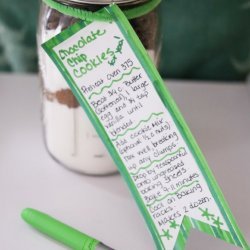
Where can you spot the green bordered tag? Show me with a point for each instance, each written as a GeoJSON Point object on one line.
{"type": "Point", "coordinates": [116, 83]}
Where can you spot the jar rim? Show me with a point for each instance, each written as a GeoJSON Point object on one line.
{"type": "Point", "coordinates": [102, 2]}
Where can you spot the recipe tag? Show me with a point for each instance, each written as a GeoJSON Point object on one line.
{"type": "Point", "coordinates": [118, 86]}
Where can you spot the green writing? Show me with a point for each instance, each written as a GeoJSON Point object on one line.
{"type": "Point", "coordinates": [87, 64]}
{"type": "Point", "coordinates": [82, 42]}
{"type": "Point", "coordinates": [81, 63]}
{"type": "Point", "coordinates": [118, 50]}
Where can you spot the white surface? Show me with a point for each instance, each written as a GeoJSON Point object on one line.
{"type": "Point", "coordinates": [218, 115]}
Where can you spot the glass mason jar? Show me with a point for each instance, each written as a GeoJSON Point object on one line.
{"type": "Point", "coordinates": [69, 136]}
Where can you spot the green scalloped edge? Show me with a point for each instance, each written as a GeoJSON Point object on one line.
{"type": "Point", "coordinates": [234, 236]}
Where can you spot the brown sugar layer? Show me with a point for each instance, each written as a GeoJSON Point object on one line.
{"type": "Point", "coordinates": [145, 27]}
{"type": "Point", "coordinates": [62, 96]}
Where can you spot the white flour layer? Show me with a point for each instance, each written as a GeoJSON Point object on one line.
{"type": "Point", "coordinates": [72, 140]}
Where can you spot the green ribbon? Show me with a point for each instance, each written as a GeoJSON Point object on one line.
{"type": "Point", "coordinates": [98, 16]}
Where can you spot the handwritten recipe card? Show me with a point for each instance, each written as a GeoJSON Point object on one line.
{"type": "Point", "coordinates": [116, 83]}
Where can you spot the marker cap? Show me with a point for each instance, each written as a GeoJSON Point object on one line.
{"type": "Point", "coordinates": [58, 230]}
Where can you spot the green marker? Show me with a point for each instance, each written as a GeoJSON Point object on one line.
{"type": "Point", "coordinates": [61, 232]}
